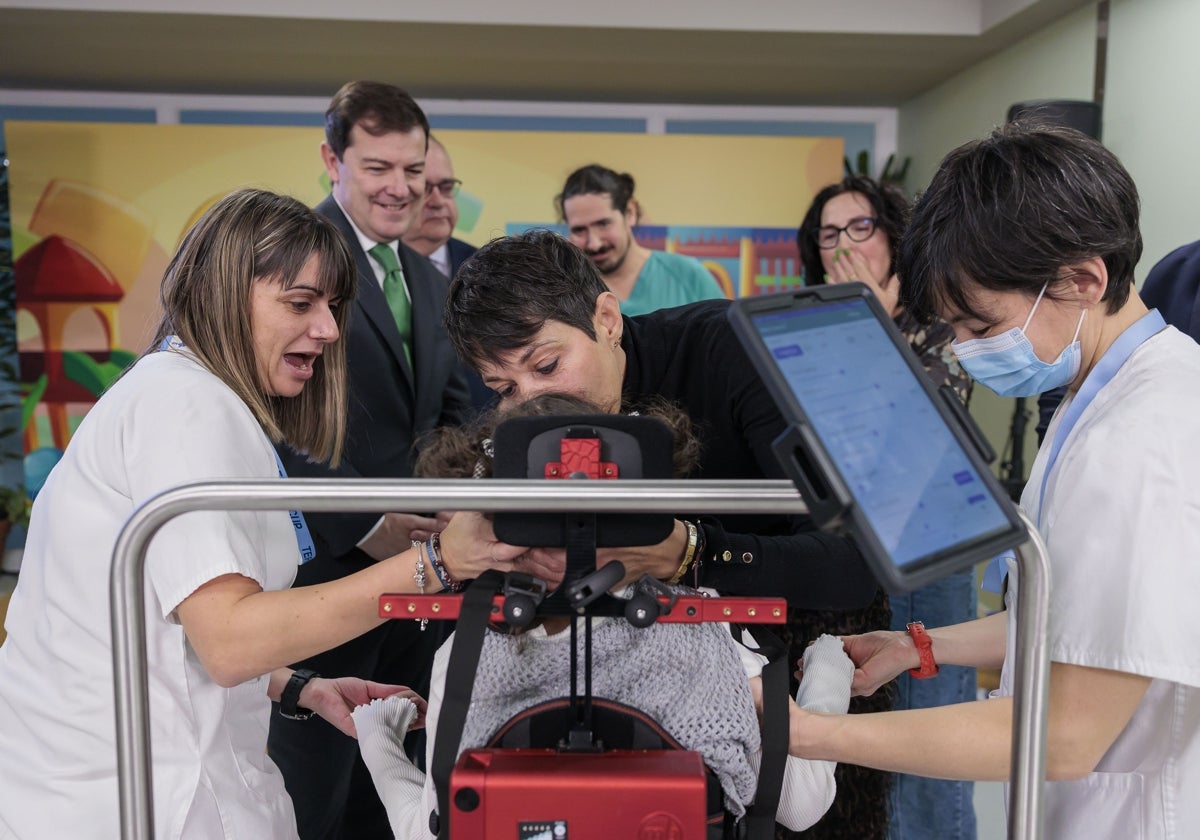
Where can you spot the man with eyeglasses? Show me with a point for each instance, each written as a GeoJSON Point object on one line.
{"type": "Point", "coordinates": [432, 235]}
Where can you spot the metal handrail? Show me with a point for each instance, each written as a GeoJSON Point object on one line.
{"type": "Point", "coordinates": [127, 589]}
{"type": "Point", "coordinates": [1031, 685]}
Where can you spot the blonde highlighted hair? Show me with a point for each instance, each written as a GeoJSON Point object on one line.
{"type": "Point", "coordinates": [247, 236]}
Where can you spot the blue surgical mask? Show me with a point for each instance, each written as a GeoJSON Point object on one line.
{"type": "Point", "coordinates": [1006, 363]}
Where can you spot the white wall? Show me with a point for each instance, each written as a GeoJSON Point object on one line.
{"type": "Point", "coordinates": [1055, 63]}
{"type": "Point", "coordinates": [1152, 116]}
{"type": "Point", "coordinates": [1151, 105]}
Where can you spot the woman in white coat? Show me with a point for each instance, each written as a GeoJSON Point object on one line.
{"type": "Point", "coordinates": [1025, 242]}
{"type": "Point", "coordinates": [246, 354]}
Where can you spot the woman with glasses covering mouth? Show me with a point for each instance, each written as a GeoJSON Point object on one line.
{"type": "Point", "coordinates": [851, 233]}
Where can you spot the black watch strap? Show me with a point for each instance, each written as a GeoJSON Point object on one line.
{"type": "Point", "coordinates": [289, 701]}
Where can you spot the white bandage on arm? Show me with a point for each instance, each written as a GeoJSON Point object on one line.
{"type": "Point", "coordinates": [808, 784]}
{"type": "Point", "coordinates": [828, 673]}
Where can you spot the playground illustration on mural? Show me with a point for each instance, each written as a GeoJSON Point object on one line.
{"type": "Point", "coordinates": [77, 259]}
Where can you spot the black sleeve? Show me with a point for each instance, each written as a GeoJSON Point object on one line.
{"type": "Point", "coordinates": [812, 570]}
{"type": "Point", "coordinates": [458, 406]}
{"type": "Point", "coordinates": [340, 532]}
{"type": "Point", "coordinates": [789, 557]}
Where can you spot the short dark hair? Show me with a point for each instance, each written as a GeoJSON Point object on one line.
{"type": "Point", "coordinates": [512, 286]}
{"type": "Point", "coordinates": [595, 179]}
{"type": "Point", "coordinates": [1008, 212]}
{"type": "Point", "coordinates": [376, 107]}
{"type": "Point", "coordinates": [888, 203]}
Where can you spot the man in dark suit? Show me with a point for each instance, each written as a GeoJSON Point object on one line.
{"type": "Point", "coordinates": [431, 235]}
{"type": "Point", "coordinates": [405, 379]}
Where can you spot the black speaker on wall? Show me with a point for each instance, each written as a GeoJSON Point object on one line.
{"type": "Point", "coordinates": [1077, 114]}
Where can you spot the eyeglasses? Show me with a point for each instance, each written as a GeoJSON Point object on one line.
{"type": "Point", "coordinates": [858, 230]}
{"type": "Point", "coordinates": [448, 188]}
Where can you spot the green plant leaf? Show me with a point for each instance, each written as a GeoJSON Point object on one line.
{"type": "Point", "coordinates": [29, 401]}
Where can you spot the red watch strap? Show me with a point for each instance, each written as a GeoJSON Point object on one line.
{"type": "Point", "coordinates": [924, 644]}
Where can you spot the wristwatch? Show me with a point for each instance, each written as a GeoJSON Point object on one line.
{"type": "Point", "coordinates": [289, 701]}
{"type": "Point", "coordinates": [924, 644]}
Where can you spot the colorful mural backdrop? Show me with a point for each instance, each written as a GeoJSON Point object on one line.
{"type": "Point", "coordinates": [745, 261]}
{"type": "Point", "coordinates": [97, 210]}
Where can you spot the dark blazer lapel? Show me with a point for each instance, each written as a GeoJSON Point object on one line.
{"type": "Point", "coordinates": [427, 288]}
{"type": "Point", "coordinates": [458, 252]}
{"type": "Point", "coordinates": [371, 301]}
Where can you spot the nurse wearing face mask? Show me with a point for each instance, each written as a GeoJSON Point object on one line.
{"type": "Point", "coordinates": [1025, 242]}
{"type": "Point", "coordinates": [1008, 364]}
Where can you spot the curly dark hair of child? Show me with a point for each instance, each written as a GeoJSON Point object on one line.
{"type": "Point", "coordinates": [465, 451]}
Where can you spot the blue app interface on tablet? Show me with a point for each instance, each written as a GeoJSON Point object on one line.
{"type": "Point", "coordinates": [902, 464]}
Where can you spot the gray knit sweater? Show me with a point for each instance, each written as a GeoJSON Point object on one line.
{"type": "Point", "coordinates": [687, 677]}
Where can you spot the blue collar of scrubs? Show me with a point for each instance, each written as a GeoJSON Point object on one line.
{"type": "Point", "coordinates": [1118, 353]}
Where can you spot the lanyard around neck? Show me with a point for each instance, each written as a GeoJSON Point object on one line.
{"type": "Point", "coordinates": [304, 540]}
{"type": "Point", "coordinates": [1145, 328]}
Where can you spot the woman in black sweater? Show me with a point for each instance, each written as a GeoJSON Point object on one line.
{"type": "Point", "coordinates": [532, 315]}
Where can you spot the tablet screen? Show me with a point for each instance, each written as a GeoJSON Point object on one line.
{"type": "Point", "coordinates": [906, 470]}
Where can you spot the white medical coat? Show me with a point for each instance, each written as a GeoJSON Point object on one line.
{"type": "Point", "coordinates": [1121, 520]}
{"type": "Point", "coordinates": [166, 422]}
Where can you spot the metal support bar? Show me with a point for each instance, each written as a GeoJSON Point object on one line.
{"type": "Point", "coordinates": [127, 590]}
{"type": "Point", "coordinates": [1031, 685]}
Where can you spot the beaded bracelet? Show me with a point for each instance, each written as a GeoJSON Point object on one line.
{"type": "Point", "coordinates": [432, 547]}
{"type": "Point", "coordinates": [689, 553]}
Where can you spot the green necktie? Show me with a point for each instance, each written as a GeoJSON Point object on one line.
{"type": "Point", "coordinates": [397, 296]}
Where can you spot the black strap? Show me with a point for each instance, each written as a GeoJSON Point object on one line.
{"type": "Point", "coordinates": [760, 817]}
{"type": "Point", "coordinates": [472, 624]}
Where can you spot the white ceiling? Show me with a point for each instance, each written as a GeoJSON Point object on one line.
{"type": "Point", "coordinates": [767, 52]}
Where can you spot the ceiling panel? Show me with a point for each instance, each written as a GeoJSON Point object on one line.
{"type": "Point", "coordinates": [224, 54]}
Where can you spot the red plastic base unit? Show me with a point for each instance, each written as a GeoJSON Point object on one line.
{"type": "Point", "coordinates": [547, 795]}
